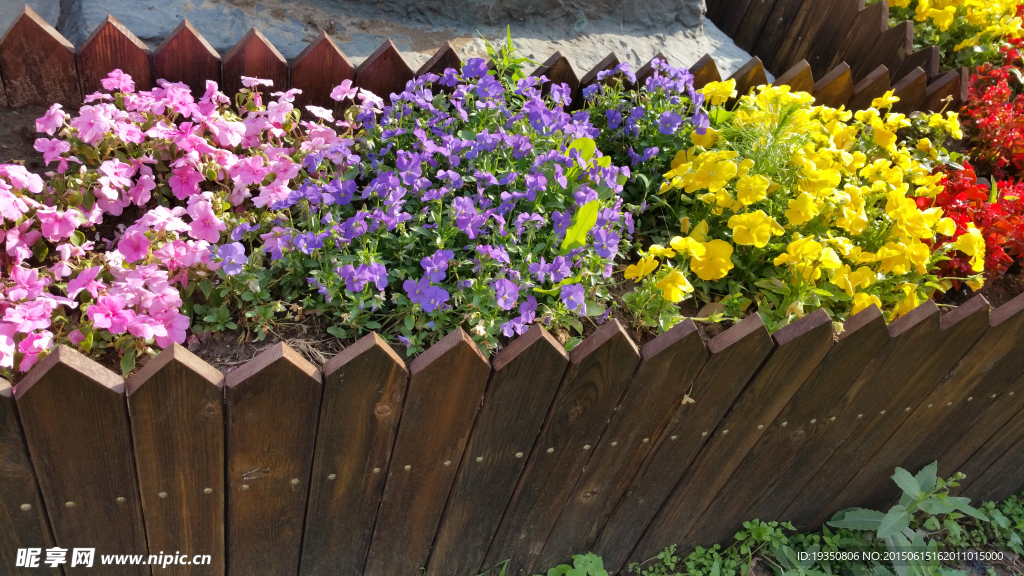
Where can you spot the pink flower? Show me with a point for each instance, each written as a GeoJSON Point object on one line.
{"type": "Point", "coordinates": [109, 312]}
{"type": "Point", "coordinates": [19, 177]}
{"type": "Point", "coordinates": [86, 280]}
{"type": "Point", "coordinates": [343, 90]}
{"type": "Point", "coordinates": [7, 332]}
{"type": "Point", "coordinates": [27, 284]}
{"type": "Point", "coordinates": [21, 239]}
{"type": "Point", "coordinates": [249, 82]}
{"type": "Point", "coordinates": [229, 134]}
{"type": "Point", "coordinates": [176, 325]}
{"type": "Point", "coordinates": [185, 182]}
{"type": "Point", "coordinates": [93, 123]}
{"type": "Point", "coordinates": [31, 347]}
{"type": "Point", "coordinates": [134, 245]}
{"type": "Point", "coordinates": [145, 327]}
{"type": "Point", "coordinates": [118, 81]}
{"type": "Point", "coordinates": [11, 207]}
{"type": "Point", "coordinates": [51, 148]}
{"type": "Point", "coordinates": [52, 120]}
{"type": "Point", "coordinates": [248, 171]}
{"type": "Point", "coordinates": [162, 297]}
{"type": "Point", "coordinates": [76, 337]}
{"type": "Point", "coordinates": [55, 225]}
{"type": "Point", "coordinates": [30, 316]}
{"type": "Point", "coordinates": [277, 112]}
{"type": "Point", "coordinates": [164, 219]}
{"type": "Point", "coordinates": [141, 192]}
{"type": "Point", "coordinates": [205, 224]}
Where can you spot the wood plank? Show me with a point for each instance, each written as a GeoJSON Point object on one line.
{"type": "Point", "coordinates": [799, 349]}
{"type": "Point", "coordinates": [384, 72]}
{"type": "Point", "coordinates": [735, 355]}
{"type": "Point", "coordinates": [753, 23]}
{"type": "Point", "coordinates": [316, 71]}
{"type": "Point", "coordinates": [523, 383]}
{"type": "Point", "coordinates": [830, 34]}
{"type": "Point", "coordinates": [729, 19]}
{"type": "Point", "coordinates": [836, 88]}
{"type": "Point", "coordinates": [1004, 477]}
{"type": "Point", "coordinates": [185, 56]}
{"type": "Point", "coordinates": [872, 86]}
{"type": "Point", "coordinates": [889, 50]}
{"type": "Point", "coordinates": [799, 78]}
{"type": "Point", "coordinates": [800, 424]}
{"type": "Point", "coordinates": [789, 20]}
{"type": "Point", "coordinates": [705, 71]}
{"type": "Point", "coordinates": [748, 77]}
{"type": "Point", "coordinates": [364, 388]}
{"type": "Point", "coordinates": [445, 57]}
{"type": "Point", "coordinates": [445, 388]}
{"type": "Point", "coordinates": [669, 366]}
{"type": "Point", "coordinates": [3, 94]}
{"type": "Point", "coordinates": [610, 61]}
{"type": "Point", "coordinates": [926, 59]}
{"type": "Point", "coordinates": [863, 36]}
{"type": "Point", "coordinates": [76, 425]}
{"type": "Point", "coordinates": [558, 70]}
{"type": "Point", "coordinates": [176, 406]}
{"type": "Point", "coordinates": [21, 505]}
{"type": "Point", "coordinates": [599, 370]}
{"type": "Point", "coordinates": [38, 64]}
{"type": "Point", "coordinates": [945, 93]}
{"type": "Point", "coordinates": [1010, 428]}
{"type": "Point", "coordinates": [255, 56]}
{"type": "Point", "coordinates": [112, 46]}
{"type": "Point", "coordinates": [272, 406]}
{"type": "Point", "coordinates": [911, 91]}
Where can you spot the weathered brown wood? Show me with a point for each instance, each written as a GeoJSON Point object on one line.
{"type": "Point", "coordinates": [185, 56]}
{"type": "Point", "coordinates": [944, 93]}
{"type": "Point", "coordinates": [648, 68]}
{"type": "Point", "coordinates": [76, 426]}
{"type": "Point", "coordinates": [445, 57]}
{"type": "Point", "coordinates": [753, 23]}
{"type": "Point", "coordinates": [799, 349]}
{"type": "Point", "coordinates": [21, 505]}
{"type": "Point", "coordinates": [1003, 478]}
{"type": "Point", "coordinates": [599, 370]}
{"type": "Point", "coordinates": [384, 72]}
{"type": "Point", "coordinates": [446, 385]}
{"type": "Point", "coordinates": [799, 78]}
{"type": "Point", "coordinates": [176, 407]}
{"type": "Point", "coordinates": [749, 76]}
{"type": "Point", "coordinates": [112, 46]}
{"type": "Point", "coordinates": [255, 56]}
{"type": "Point", "coordinates": [911, 91]}
{"type": "Point", "coordinates": [782, 42]}
{"type": "Point", "coordinates": [863, 36]}
{"type": "Point", "coordinates": [889, 49]}
{"type": "Point", "coordinates": [715, 9]}
{"type": "Point", "coordinates": [610, 61]}
{"type": "Point", "coordinates": [729, 19]}
{"type": "Point", "coordinates": [272, 406]}
{"type": "Point", "coordinates": [558, 70]}
{"type": "Point", "coordinates": [830, 34]}
{"type": "Point", "coordinates": [524, 381]}
{"type": "Point", "coordinates": [836, 88]}
{"type": "Point", "coordinates": [38, 64]}
{"type": "Point", "coordinates": [317, 70]}
{"type": "Point", "coordinates": [872, 86]}
{"type": "Point", "coordinates": [3, 94]}
{"type": "Point", "coordinates": [669, 365]}
{"type": "Point", "coordinates": [735, 356]}
{"type": "Point", "coordinates": [783, 449]}
{"type": "Point", "coordinates": [364, 387]}
{"type": "Point", "coordinates": [926, 59]}
{"type": "Point", "coordinates": [705, 71]}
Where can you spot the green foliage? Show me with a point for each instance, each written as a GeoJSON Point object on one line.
{"type": "Point", "coordinates": [582, 565]}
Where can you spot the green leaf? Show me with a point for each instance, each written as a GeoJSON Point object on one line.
{"type": "Point", "coordinates": [372, 325]}
{"type": "Point", "coordinates": [40, 250]}
{"type": "Point", "coordinates": [894, 522]}
{"type": "Point", "coordinates": [720, 115]}
{"type": "Point", "coordinates": [586, 146]}
{"type": "Point", "coordinates": [206, 286]}
{"type": "Point", "coordinates": [857, 519]}
{"type": "Point", "coordinates": [935, 506]}
{"type": "Point", "coordinates": [927, 476]}
{"type": "Point", "coordinates": [582, 222]}
{"type": "Point", "coordinates": [410, 322]}
{"type": "Point", "coordinates": [907, 483]}
{"type": "Point", "coordinates": [964, 505]}
{"type": "Point", "coordinates": [77, 238]}
{"type": "Point", "coordinates": [128, 362]}
{"type": "Point", "coordinates": [594, 309]}
{"type": "Point", "coordinates": [337, 332]}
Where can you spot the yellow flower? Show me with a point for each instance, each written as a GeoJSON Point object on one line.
{"type": "Point", "coordinates": [717, 93]}
{"type": "Point", "coordinates": [972, 243]}
{"type": "Point", "coordinates": [684, 224]}
{"type": "Point", "coordinates": [951, 124]}
{"type": "Point", "coordinates": [946, 227]}
{"type": "Point", "coordinates": [700, 231]}
{"type": "Point", "coordinates": [712, 176]}
{"type": "Point", "coordinates": [707, 140]}
{"type": "Point", "coordinates": [675, 287]}
{"type": "Point", "coordinates": [849, 280]}
{"type": "Point", "coordinates": [862, 300]}
{"type": "Point", "coordinates": [943, 18]}
{"type": "Point", "coordinates": [754, 228]}
{"type": "Point", "coordinates": [975, 283]}
{"type": "Point", "coordinates": [750, 189]}
{"type": "Point", "coordinates": [884, 137]}
{"type": "Point", "coordinates": [687, 246]}
{"type": "Point", "coordinates": [910, 301]}
{"type": "Point", "coordinates": [888, 99]}
{"type": "Point", "coordinates": [802, 209]}
{"type": "Point", "coordinates": [645, 266]}
{"type": "Point", "coordinates": [659, 251]}
{"type": "Point", "coordinates": [716, 261]}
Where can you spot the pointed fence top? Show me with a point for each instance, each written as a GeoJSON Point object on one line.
{"type": "Point", "coordinates": [185, 30]}
{"type": "Point", "coordinates": [802, 326]}
{"type": "Point", "coordinates": [535, 336]}
{"type": "Point", "coordinates": [456, 339]}
{"type": "Point", "coordinates": [666, 339]}
{"type": "Point", "coordinates": [175, 353]}
{"type": "Point", "coordinates": [749, 325]}
{"type": "Point", "coordinates": [364, 345]}
{"type": "Point", "coordinates": [275, 353]}
{"type": "Point", "coordinates": [75, 361]}
{"type": "Point", "coordinates": [609, 331]}
{"type": "Point", "coordinates": [29, 18]}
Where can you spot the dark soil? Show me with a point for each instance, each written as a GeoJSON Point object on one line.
{"type": "Point", "coordinates": [18, 125]}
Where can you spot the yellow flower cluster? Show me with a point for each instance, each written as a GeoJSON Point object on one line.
{"type": "Point", "coordinates": [988, 20]}
{"type": "Point", "coordinates": [806, 207]}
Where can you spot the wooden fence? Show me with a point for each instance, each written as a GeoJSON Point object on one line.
{"type": "Point", "coordinates": [453, 464]}
{"type": "Point", "coordinates": [852, 59]}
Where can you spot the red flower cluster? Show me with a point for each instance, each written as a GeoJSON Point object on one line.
{"type": "Point", "coordinates": [994, 121]}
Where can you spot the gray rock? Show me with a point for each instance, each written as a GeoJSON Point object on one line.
{"type": "Point", "coordinates": [49, 10]}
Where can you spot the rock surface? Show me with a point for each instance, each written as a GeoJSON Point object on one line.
{"type": "Point", "coordinates": [49, 10]}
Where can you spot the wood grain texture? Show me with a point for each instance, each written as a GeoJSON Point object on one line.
{"type": "Point", "coordinates": [754, 23]}
{"type": "Point", "coordinates": [799, 78]}
{"type": "Point", "coordinates": [705, 71]}
{"type": "Point", "coordinates": [733, 14]}
{"type": "Point", "coordinates": [926, 59]}
{"type": "Point", "coordinates": [610, 61]}
{"type": "Point", "coordinates": [863, 36]}
{"type": "Point", "coordinates": [669, 365]}
{"type": "Point", "coordinates": [523, 383]}
{"type": "Point", "coordinates": [256, 57]}
{"type": "Point", "coordinates": [185, 56]}
{"type": "Point", "coordinates": [911, 91]}
{"type": "Point", "coordinates": [317, 70]}
{"type": "Point", "coordinates": [795, 441]}
{"type": "Point", "coordinates": [799, 348]}
{"type": "Point", "coordinates": [835, 89]}
{"type": "Point", "coordinates": [558, 70]}
{"type": "Point", "coordinates": [872, 86]}
{"type": "Point", "coordinates": [445, 388]}
{"type": "Point", "coordinates": [829, 34]}
{"type": "Point", "coordinates": [112, 46]}
{"type": "Point", "coordinates": [445, 57]}
{"type": "Point", "coordinates": [21, 505]}
{"type": "Point", "coordinates": [76, 424]}
{"type": "Point", "coordinates": [177, 416]}
{"type": "Point", "coordinates": [948, 92]}
{"type": "Point", "coordinates": [384, 71]}
{"type": "Point", "coordinates": [782, 43]}
{"type": "Point", "coordinates": [599, 370]}
{"type": "Point", "coordinates": [364, 388]}
{"type": "Point", "coordinates": [272, 407]}
{"type": "Point", "coordinates": [735, 355]}
{"type": "Point", "coordinates": [748, 77]}
{"type": "Point", "coordinates": [38, 64]}
{"type": "Point", "coordinates": [1004, 477]}
{"type": "Point", "coordinates": [889, 50]}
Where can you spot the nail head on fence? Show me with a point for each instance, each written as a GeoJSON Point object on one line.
{"type": "Point", "coordinates": [207, 490]}
{"type": "Point", "coordinates": [162, 494]}
{"type": "Point", "coordinates": [479, 458]}
{"type": "Point", "coordinates": [519, 454]}
{"type": "Point", "coordinates": [551, 450]}
{"type": "Point", "coordinates": [332, 476]}
{"type": "Point", "coordinates": [375, 471]}
{"type": "Point", "coordinates": [26, 507]}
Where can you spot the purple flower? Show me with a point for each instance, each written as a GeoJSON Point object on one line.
{"type": "Point", "coordinates": [232, 257]}
{"type": "Point", "coordinates": [497, 253]}
{"type": "Point", "coordinates": [489, 87]}
{"type": "Point", "coordinates": [535, 183]}
{"type": "Point", "coordinates": [590, 92]}
{"type": "Point", "coordinates": [561, 94]}
{"type": "Point", "coordinates": [436, 264]}
{"type": "Point", "coordinates": [242, 229]}
{"type": "Point", "coordinates": [513, 327]}
{"type": "Point", "coordinates": [669, 122]}
{"type": "Point", "coordinates": [474, 68]}
{"type": "Point", "coordinates": [433, 298]}
{"type": "Point", "coordinates": [525, 218]}
{"type": "Point", "coordinates": [606, 243]}
{"type": "Point", "coordinates": [573, 296]}
{"type": "Point", "coordinates": [416, 290]}
{"type": "Point", "coordinates": [528, 309]}
{"type": "Point", "coordinates": [701, 123]}
{"type": "Point", "coordinates": [614, 118]}
{"type": "Point", "coordinates": [507, 293]}
{"type": "Point", "coordinates": [450, 78]}
{"type": "Point", "coordinates": [307, 242]}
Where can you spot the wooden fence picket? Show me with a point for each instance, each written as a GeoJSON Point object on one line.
{"type": "Point", "coordinates": [911, 90]}
{"type": "Point", "coordinates": [1004, 477]}
{"type": "Point", "coordinates": [891, 47]}
{"type": "Point", "coordinates": [21, 505]}
{"type": "Point", "coordinates": [256, 57]}
{"type": "Point", "coordinates": [799, 78]}
{"type": "Point", "coordinates": [384, 71]}
{"type": "Point", "coordinates": [76, 424]}
{"type": "Point", "coordinates": [647, 69]}
{"type": "Point", "coordinates": [271, 415]}
{"type": "Point", "coordinates": [610, 61]}
{"type": "Point", "coordinates": [112, 46]}
{"type": "Point", "coordinates": [947, 92]}
{"type": "Point", "coordinates": [986, 457]}
{"type": "Point", "coordinates": [177, 416]}
{"type": "Point", "coordinates": [829, 32]}
{"type": "Point", "coordinates": [669, 365]}
{"type": "Point", "coordinates": [705, 71]}
{"type": "Point", "coordinates": [747, 77]}
{"type": "Point", "coordinates": [38, 64]}
{"type": "Point", "coordinates": [783, 43]}
{"type": "Point", "coordinates": [754, 23]}
{"type": "Point", "coordinates": [446, 385]}
{"type": "Point", "coordinates": [317, 70]}
{"type": "Point", "coordinates": [185, 56]}
{"type": "Point", "coordinates": [926, 59]}
{"type": "Point", "coordinates": [445, 57]}
{"type": "Point", "coordinates": [558, 70]}
{"type": "Point", "coordinates": [599, 370]}
{"type": "Point", "coordinates": [799, 349]}
{"type": "Point", "coordinates": [735, 355]}
{"type": "Point", "coordinates": [523, 383]}
{"type": "Point", "coordinates": [872, 86]}
{"type": "Point", "coordinates": [836, 88]}
{"type": "Point", "coordinates": [364, 388]}
{"type": "Point", "coordinates": [864, 34]}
